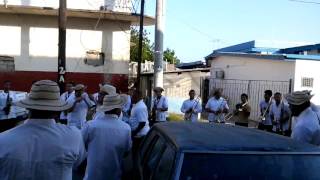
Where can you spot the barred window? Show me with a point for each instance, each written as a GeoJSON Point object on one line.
{"type": "Point", "coordinates": [307, 82]}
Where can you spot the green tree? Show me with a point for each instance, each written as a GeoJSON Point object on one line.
{"type": "Point", "coordinates": [170, 56]}
{"type": "Point", "coordinates": [147, 47]}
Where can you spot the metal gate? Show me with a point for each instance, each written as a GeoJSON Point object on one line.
{"type": "Point", "coordinates": [232, 90]}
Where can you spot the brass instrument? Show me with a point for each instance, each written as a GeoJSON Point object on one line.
{"type": "Point", "coordinates": [230, 115]}
{"type": "Point", "coordinates": [263, 117]}
{"type": "Point", "coordinates": [187, 116]}
{"type": "Point", "coordinates": [221, 113]}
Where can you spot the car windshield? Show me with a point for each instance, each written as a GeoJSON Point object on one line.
{"type": "Point", "coordinates": [249, 166]}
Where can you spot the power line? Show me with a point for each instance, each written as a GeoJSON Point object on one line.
{"type": "Point", "coordinates": [306, 2]}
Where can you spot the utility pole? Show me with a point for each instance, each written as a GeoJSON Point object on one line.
{"type": "Point", "coordinates": [140, 44]}
{"type": "Point", "coordinates": [62, 44]}
{"type": "Point", "coordinates": [158, 62]}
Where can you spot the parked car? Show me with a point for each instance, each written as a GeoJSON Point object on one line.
{"type": "Point", "coordinates": [194, 151]}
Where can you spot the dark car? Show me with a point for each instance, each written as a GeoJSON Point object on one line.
{"type": "Point", "coordinates": [194, 151]}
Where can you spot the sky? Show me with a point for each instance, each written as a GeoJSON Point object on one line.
{"type": "Point", "coordinates": [194, 28]}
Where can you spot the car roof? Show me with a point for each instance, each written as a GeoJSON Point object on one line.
{"type": "Point", "coordinates": [188, 136]}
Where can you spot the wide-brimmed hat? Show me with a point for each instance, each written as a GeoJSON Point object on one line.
{"type": "Point", "coordinates": [108, 89]}
{"type": "Point", "coordinates": [298, 97]}
{"type": "Point", "coordinates": [44, 95]}
{"type": "Point", "coordinates": [158, 89]}
{"type": "Point", "coordinates": [79, 87]}
{"type": "Point", "coordinates": [112, 101]}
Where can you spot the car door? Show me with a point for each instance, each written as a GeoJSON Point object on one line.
{"type": "Point", "coordinates": [157, 158]}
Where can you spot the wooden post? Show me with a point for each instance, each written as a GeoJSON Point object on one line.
{"type": "Point", "coordinates": [62, 44]}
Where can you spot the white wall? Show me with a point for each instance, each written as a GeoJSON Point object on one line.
{"type": "Point", "coordinates": [33, 41]}
{"type": "Point", "coordinates": [244, 68]}
{"type": "Point", "coordinates": [308, 69]}
{"type": "Point", "coordinates": [115, 5]}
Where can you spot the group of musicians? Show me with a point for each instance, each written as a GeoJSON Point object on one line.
{"type": "Point", "coordinates": [275, 113]}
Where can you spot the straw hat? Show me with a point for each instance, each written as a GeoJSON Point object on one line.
{"type": "Point", "coordinates": [158, 89]}
{"type": "Point", "coordinates": [79, 87]}
{"type": "Point", "coordinates": [112, 101]}
{"type": "Point", "coordinates": [108, 89]}
{"type": "Point", "coordinates": [44, 95]}
{"type": "Point", "coordinates": [298, 97]}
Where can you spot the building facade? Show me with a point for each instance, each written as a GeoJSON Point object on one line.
{"type": "Point", "coordinates": [97, 43]}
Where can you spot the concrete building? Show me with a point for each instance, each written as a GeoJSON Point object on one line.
{"type": "Point", "coordinates": [98, 41]}
{"type": "Point", "coordinates": [177, 85]}
{"type": "Point", "coordinates": [244, 68]}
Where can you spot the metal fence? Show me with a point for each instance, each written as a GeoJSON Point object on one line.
{"type": "Point", "coordinates": [232, 90]}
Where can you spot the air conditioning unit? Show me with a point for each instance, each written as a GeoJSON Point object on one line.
{"type": "Point", "coordinates": [220, 74]}
{"type": "Point", "coordinates": [94, 58]}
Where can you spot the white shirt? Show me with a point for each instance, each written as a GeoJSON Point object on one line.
{"type": "Point", "coordinates": [139, 113]}
{"type": "Point", "coordinates": [126, 109]}
{"type": "Point", "coordinates": [96, 97]}
{"type": "Point", "coordinates": [161, 116]}
{"type": "Point", "coordinates": [192, 104]}
{"type": "Point", "coordinates": [3, 103]}
{"type": "Point", "coordinates": [214, 105]}
{"type": "Point", "coordinates": [40, 149]}
{"type": "Point", "coordinates": [107, 139]}
{"type": "Point", "coordinates": [263, 106]}
{"type": "Point", "coordinates": [79, 114]}
{"type": "Point", "coordinates": [276, 112]}
{"type": "Point", "coordinates": [307, 128]}
{"type": "Point", "coordinates": [64, 97]}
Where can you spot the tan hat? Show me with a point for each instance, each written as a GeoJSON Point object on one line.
{"type": "Point", "coordinates": [298, 97]}
{"type": "Point", "coordinates": [112, 101]}
{"type": "Point", "coordinates": [158, 89]}
{"type": "Point", "coordinates": [108, 89]}
{"type": "Point", "coordinates": [79, 87]}
{"type": "Point", "coordinates": [44, 95]}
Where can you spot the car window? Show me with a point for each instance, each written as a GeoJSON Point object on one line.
{"type": "Point", "coordinates": [236, 166]}
{"type": "Point", "coordinates": [152, 159]}
{"type": "Point", "coordinates": [166, 164]}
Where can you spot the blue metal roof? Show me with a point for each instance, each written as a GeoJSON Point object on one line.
{"type": "Point", "coordinates": [291, 57]}
{"type": "Point", "coordinates": [302, 57]}
{"type": "Point", "coordinates": [252, 55]}
{"type": "Point", "coordinates": [294, 50]}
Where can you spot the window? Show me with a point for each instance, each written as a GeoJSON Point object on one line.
{"type": "Point", "coordinates": [307, 82]}
{"type": "Point", "coordinates": [250, 166]}
{"type": "Point", "coordinates": [153, 158]}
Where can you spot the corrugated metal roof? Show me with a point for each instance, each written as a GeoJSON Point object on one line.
{"type": "Point", "coordinates": [293, 50]}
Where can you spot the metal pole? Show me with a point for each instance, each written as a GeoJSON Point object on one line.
{"type": "Point", "coordinates": [140, 45]}
{"type": "Point", "coordinates": [62, 44]}
{"type": "Point", "coordinates": [158, 62]}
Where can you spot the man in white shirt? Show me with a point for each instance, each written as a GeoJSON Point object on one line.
{"type": "Point", "coordinates": [266, 122]}
{"type": "Point", "coordinates": [108, 141]}
{"type": "Point", "coordinates": [138, 119]}
{"type": "Point", "coordinates": [7, 107]}
{"type": "Point", "coordinates": [69, 92]}
{"type": "Point", "coordinates": [191, 107]}
{"type": "Point", "coordinates": [159, 106]}
{"type": "Point", "coordinates": [77, 114]}
{"type": "Point", "coordinates": [280, 115]}
{"type": "Point", "coordinates": [216, 107]}
{"type": "Point", "coordinates": [106, 89]}
{"type": "Point", "coordinates": [41, 148]}
{"type": "Point", "coordinates": [126, 109]}
{"type": "Point", "coordinates": [307, 128]}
